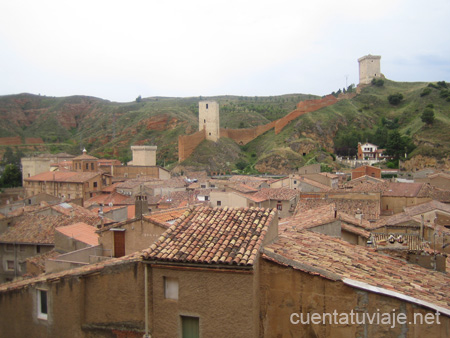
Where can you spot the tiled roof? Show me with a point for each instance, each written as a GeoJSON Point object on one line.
{"type": "Point", "coordinates": [398, 189]}
{"type": "Point", "coordinates": [167, 215]}
{"type": "Point", "coordinates": [355, 230]}
{"type": "Point", "coordinates": [335, 259]}
{"type": "Point", "coordinates": [37, 229]}
{"type": "Point", "coordinates": [115, 198]}
{"type": "Point", "coordinates": [81, 232]}
{"type": "Point", "coordinates": [38, 262]}
{"type": "Point", "coordinates": [67, 176]}
{"type": "Point", "coordinates": [214, 236]}
{"type": "Point", "coordinates": [85, 157]}
{"type": "Point", "coordinates": [309, 219]}
{"type": "Point", "coordinates": [178, 199]}
{"type": "Point", "coordinates": [427, 207]}
{"type": "Point", "coordinates": [284, 194]}
{"type": "Point", "coordinates": [440, 195]}
{"type": "Point", "coordinates": [136, 182]}
{"type": "Point", "coordinates": [316, 184]}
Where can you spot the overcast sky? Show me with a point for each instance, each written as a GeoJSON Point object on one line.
{"type": "Point", "coordinates": [117, 50]}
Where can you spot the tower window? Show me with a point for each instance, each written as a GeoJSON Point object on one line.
{"type": "Point", "coordinates": [206, 106]}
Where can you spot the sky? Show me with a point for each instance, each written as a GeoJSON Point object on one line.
{"type": "Point", "coordinates": [118, 50]}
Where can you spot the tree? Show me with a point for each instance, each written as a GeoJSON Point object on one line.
{"type": "Point", "coordinates": [428, 116]}
{"type": "Point", "coordinates": [11, 177]}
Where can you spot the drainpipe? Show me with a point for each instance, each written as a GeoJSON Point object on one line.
{"type": "Point", "coordinates": [146, 335]}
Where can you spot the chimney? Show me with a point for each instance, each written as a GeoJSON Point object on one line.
{"type": "Point", "coordinates": [141, 206]}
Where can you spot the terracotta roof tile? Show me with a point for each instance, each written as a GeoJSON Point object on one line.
{"type": "Point", "coordinates": [81, 232]}
{"type": "Point", "coordinates": [214, 236]}
{"type": "Point", "coordinates": [335, 259]}
{"type": "Point", "coordinates": [284, 194]}
{"type": "Point", "coordinates": [59, 176]}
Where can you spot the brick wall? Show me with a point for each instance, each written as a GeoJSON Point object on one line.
{"type": "Point", "coordinates": [5, 141]}
{"type": "Point", "coordinates": [188, 143]}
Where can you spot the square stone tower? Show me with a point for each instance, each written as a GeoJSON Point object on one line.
{"type": "Point", "coordinates": [369, 68]}
{"type": "Point", "coordinates": [143, 156]}
{"type": "Point", "coordinates": [208, 119]}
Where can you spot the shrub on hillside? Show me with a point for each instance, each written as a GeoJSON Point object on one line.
{"type": "Point", "coordinates": [377, 82]}
{"type": "Point", "coordinates": [426, 91]}
{"type": "Point", "coordinates": [428, 116]}
{"type": "Point", "coordinates": [395, 99]}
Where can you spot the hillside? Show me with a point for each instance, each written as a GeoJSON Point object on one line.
{"type": "Point", "coordinates": [108, 129]}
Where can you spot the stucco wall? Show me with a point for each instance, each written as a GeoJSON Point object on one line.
{"type": "Point", "coordinates": [285, 291]}
{"type": "Point", "coordinates": [397, 203]}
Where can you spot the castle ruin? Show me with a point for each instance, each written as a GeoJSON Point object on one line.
{"type": "Point", "coordinates": [369, 68]}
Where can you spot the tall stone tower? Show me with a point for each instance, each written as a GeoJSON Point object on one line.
{"type": "Point", "coordinates": [208, 119]}
{"type": "Point", "coordinates": [369, 68]}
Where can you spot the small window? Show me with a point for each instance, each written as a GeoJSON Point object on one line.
{"type": "Point", "coordinates": [204, 121]}
{"type": "Point", "coordinates": [38, 249]}
{"type": "Point", "coordinates": [295, 182]}
{"type": "Point", "coordinates": [206, 106]}
{"type": "Point", "coordinates": [279, 206]}
{"type": "Point", "coordinates": [212, 186]}
{"type": "Point", "coordinates": [42, 304]}
{"type": "Point", "coordinates": [10, 265]}
{"type": "Point", "coordinates": [219, 203]}
{"type": "Point", "coordinates": [170, 288]}
{"type": "Point", "coordinates": [95, 184]}
{"type": "Point", "coordinates": [87, 166]}
{"type": "Point", "coordinates": [190, 327]}
{"type": "Point", "coordinates": [203, 186]}
{"type": "Point", "coordinates": [206, 198]}
{"type": "Point", "coordinates": [92, 166]}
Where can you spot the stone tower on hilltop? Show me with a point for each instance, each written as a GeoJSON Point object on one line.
{"type": "Point", "coordinates": [208, 119]}
{"type": "Point", "coordinates": [369, 68]}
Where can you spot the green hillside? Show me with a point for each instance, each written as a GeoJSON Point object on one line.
{"type": "Point", "coordinates": [108, 129]}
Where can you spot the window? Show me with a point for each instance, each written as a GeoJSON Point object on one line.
{"type": "Point", "coordinates": [87, 166]}
{"type": "Point", "coordinates": [10, 265]}
{"type": "Point", "coordinates": [38, 249]}
{"type": "Point", "coordinates": [42, 304]}
{"type": "Point", "coordinates": [92, 166]}
{"type": "Point", "coordinates": [219, 203]}
{"type": "Point", "coordinates": [212, 186]}
{"type": "Point", "coordinates": [95, 184]}
{"type": "Point", "coordinates": [279, 206]}
{"type": "Point", "coordinates": [9, 247]}
{"type": "Point", "coordinates": [170, 288]}
{"type": "Point", "coordinates": [190, 327]}
{"type": "Point", "coordinates": [206, 198]}
{"type": "Point", "coordinates": [203, 186]}
{"type": "Point", "coordinates": [206, 106]}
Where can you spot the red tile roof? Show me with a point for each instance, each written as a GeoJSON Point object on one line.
{"type": "Point", "coordinates": [66, 176]}
{"type": "Point", "coordinates": [283, 194]}
{"type": "Point", "coordinates": [335, 259]}
{"type": "Point", "coordinates": [167, 215]}
{"type": "Point", "coordinates": [38, 229]}
{"type": "Point", "coordinates": [398, 189]}
{"type": "Point", "coordinates": [81, 232]}
{"type": "Point", "coordinates": [214, 236]}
